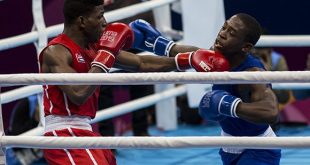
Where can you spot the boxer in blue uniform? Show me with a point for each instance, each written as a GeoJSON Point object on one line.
{"type": "Point", "coordinates": [232, 125]}
{"type": "Point", "coordinates": [241, 110]}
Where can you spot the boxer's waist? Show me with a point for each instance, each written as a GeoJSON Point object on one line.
{"type": "Point", "coordinates": [56, 122]}
{"type": "Point", "coordinates": [268, 133]}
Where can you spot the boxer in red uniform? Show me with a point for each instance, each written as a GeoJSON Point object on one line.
{"type": "Point", "coordinates": [68, 109]}
{"type": "Point", "coordinates": [89, 45]}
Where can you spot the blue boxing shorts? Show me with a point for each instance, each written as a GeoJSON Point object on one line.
{"type": "Point", "coordinates": [252, 157]}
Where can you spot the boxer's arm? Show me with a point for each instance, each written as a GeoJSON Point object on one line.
{"type": "Point", "coordinates": [202, 61]}
{"type": "Point", "coordinates": [57, 59]}
{"type": "Point", "coordinates": [148, 38]}
{"type": "Point", "coordinates": [181, 49]}
{"type": "Point", "coordinates": [263, 105]}
{"type": "Point", "coordinates": [144, 63]}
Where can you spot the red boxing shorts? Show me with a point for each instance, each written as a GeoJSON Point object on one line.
{"type": "Point", "coordinates": [77, 156]}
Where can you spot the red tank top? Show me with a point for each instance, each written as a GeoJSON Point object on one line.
{"type": "Point", "coordinates": [54, 100]}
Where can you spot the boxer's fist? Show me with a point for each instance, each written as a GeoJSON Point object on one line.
{"type": "Point", "coordinates": [115, 37]}
{"type": "Point", "coordinates": [103, 60]}
{"type": "Point", "coordinates": [202, 61]}
{"type": "Point", "coordinates": [217, 104]}
{"type": "Point", "coordinates": [147, 38]}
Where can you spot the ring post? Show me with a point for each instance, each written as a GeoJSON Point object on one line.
{"type": "Point", "coordinates": [166, 111]}
{"type": "Point", "coordinates": [2, 151]}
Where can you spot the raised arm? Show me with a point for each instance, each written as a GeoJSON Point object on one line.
{"type": "Point", "coordinates": [177, 48]}
{"type": "Point", "coordinates": [144, 63]}
{"type": "Point", "coordinates": [148, 38]}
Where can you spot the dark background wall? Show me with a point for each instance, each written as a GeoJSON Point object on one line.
{"type": "Point", "coordinates": [278, 16]}
{"type": "Point", "coordinates": [16, 18]}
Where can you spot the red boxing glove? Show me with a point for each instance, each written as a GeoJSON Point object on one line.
{"type": "Point", "coordinates": [115, 37]}
{"type": "Point", "coordinates": [202, 61]}
{"type": "Point", "coordinates": [104, 60]}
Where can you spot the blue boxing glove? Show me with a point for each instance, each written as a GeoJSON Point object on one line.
{"type": "Point", "coordinates": [147, 38]}
{"type": "Point", "coordinates": [217, 104]}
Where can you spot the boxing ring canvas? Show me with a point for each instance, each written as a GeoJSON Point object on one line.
{"type": "Point", "coordinates": [207, 155]}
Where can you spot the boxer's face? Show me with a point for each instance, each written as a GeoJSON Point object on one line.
{"type": "Point", "coordinates": [231, 37]}
{"type": "Point", "coordinates": [95, 24]}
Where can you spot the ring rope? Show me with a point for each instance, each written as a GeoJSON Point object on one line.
{"type": "Point", "coordinates": [154, 142]}
{"type": "Point", "coordinates": [54, 30]}
{"type": "Point", "coordinates": [121, 109]}
{"type": "Point", "coordinates": [37, 131]}
{"type": "Point", "coordinates": [133, 10]}
{"type": "Point", "coordinates": [293, 86]}
{"type": "Point", "coordinates": [19, 93]}
{"type": "Point", "coordinates": [284, 40]}
{"type": "Point", "coordinates": [265, 40]}
{"type": "Point", "coordinates": [124, 108]}
{"type": "Point", "coordinates": [156, 78]}
{"type": "Point", "coordinates": [23, 92]}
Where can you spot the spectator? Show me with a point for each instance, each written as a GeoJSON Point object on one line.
{"type": "Point", "coordinates": [24, 117]}
{"type": "Point", "coordinates": [305, 93]}
{"type": "Point", "coordinates": [140, 117]}
{"type": "Point", "coordinates": [112, 95]}
{"type": "Point", "coordinates": [188, 115]}
{"type": "Point", "coordinates": [275, 61]}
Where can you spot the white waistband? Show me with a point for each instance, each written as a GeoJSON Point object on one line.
{"type": "Point", "coordinates": [55, 122]}
{"type": "Point", "coordinates": [268, 133]}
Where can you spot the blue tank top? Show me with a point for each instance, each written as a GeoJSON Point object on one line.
{"type": "Point", "coordinates": [237, 126]}
{"type": "Point", "coordinates": [275, 59]}
{"type": "Point", "coordinates": [33, 101]}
